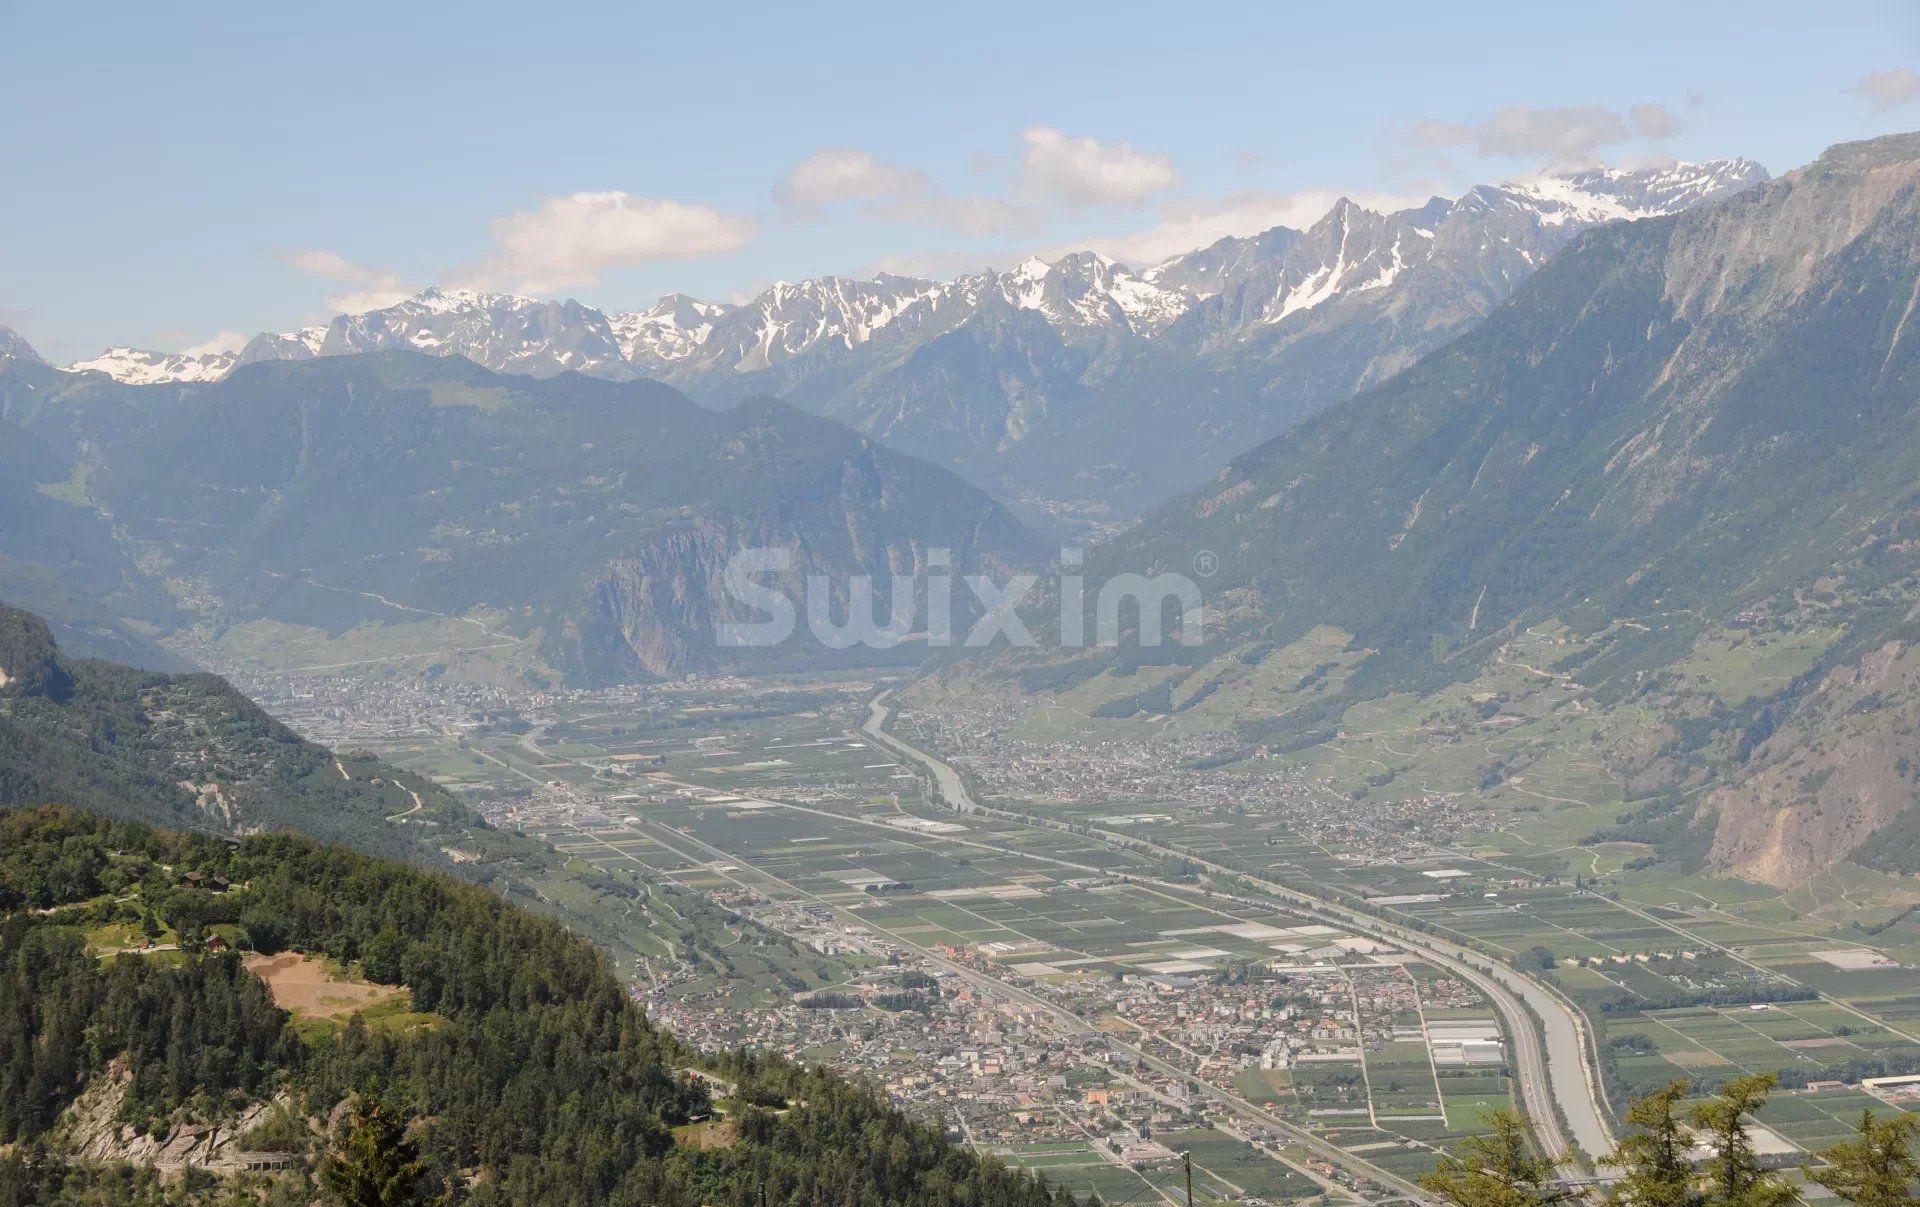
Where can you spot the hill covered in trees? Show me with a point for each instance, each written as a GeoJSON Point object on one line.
{"type": "Point", "coordinates": [189, 752]}
{"type": "Point", "coordinates": [186, 751]}
{"type": "Point", "coordinates": [515, 1070]}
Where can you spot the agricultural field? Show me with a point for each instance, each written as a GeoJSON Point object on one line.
{"type": "Point", "coordinates": [704, 822]}
{"type": "Point", "coordinates": [775, 807]}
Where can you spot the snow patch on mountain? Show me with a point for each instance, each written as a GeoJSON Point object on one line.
{"type": "Point", "coordinates": [140, 367]}
{"type": "Point", "coordinates": [1615, 195]}
{"type": "Point", "coordinates": [1500, 230]}
{"type": "Point", "coordinates": [1220, 292]}
{"type": "Point", "coordinates": [672, 329]}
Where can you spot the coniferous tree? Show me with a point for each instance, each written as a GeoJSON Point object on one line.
{"type": "Point", "coordinates": [1500, 1169]}
{"type": "Point", "coordinates": [1877, 1169]}
{"type": "Point", "coordinates": [1735, 1177]}
{"type": "Point", "coordinates": [373, 1163]}
{"type": "Point", "coordinates": [1656, 1170]}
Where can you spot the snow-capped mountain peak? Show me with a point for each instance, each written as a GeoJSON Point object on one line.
{"type": "Point", "coordinates": [15, 347]}
{"type": "Point", "coordinates": [139, 367]}
{"type": "Point", "coordinates": [1033, 268]}
{"type": "Point", "coordinates": [1492, 232]}
{"type": "Point", "coordinates": [1586, 198]}
{"type": "Point", "coordinates": [792, 319]}
{"type": "Point", "coordinates": [1214, 296]}
{"type": "Point", "coordinates": [1084, 293]}
{"type": "Point", "coordinates": [503, 331]}
{"type": "Point", "coordinates": [672, 329]}
{"type": "Point", "coordinates": [437, 300]}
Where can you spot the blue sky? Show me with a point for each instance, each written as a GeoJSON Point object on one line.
{"type": "Point", "coordinates": [180, 171]}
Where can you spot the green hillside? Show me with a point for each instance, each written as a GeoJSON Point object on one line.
{"type": "Point", "coordinates": [568, 525]}
{"type": "Point", "coordinates": [190, 752]}
{"type": "Point", "coordinates": [513, 1063]}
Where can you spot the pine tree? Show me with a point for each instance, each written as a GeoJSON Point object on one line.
{"type": "Point", "coordinates": [1499, 1169]}
{"type": "Point", "coordinates": [1877, 1169]}
{"type": "Point", "coordinates": [1653, 1159]}
{"type": "Point", "coordinates": [373, 1164]}
{"type": "Point", "coordinates": [1734, 1175]}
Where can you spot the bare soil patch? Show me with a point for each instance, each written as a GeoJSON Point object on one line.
{"type": "Point", "coordinates": [307, 987]}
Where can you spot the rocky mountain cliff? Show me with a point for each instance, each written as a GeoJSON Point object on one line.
{"type": "Point", "coordinates": [12, 345]}
{"type": "Point", "coordinates": [596, 519]}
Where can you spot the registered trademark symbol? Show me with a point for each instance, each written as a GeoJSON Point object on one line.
{"type": "Point", "coordinates": [1206, 563]}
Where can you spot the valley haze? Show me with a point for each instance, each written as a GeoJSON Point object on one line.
{"type": "Point", "coordinates": [712, 608]}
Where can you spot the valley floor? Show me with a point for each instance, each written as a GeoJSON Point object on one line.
{"type": "Point", "coordinates": [1093, 1010]}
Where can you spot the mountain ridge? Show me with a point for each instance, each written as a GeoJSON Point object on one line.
{"type": "Point", "coordinates": [1142, 381]}
{"type": "Point", "coordinates": [14, 346]}
{"type": "Point", "coordinates": [1685, 433]}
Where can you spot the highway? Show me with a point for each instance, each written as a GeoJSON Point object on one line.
{"type": "Point", "coordinates": [1557, 1071]}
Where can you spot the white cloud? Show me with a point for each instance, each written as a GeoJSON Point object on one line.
{"type": "Point", "coordinates": [843, 174]}
{"type": "Point", "coordinates": [1560, 136]}
{"type": "Point", "coordinates": [360, 301]}
{"type": "Point", "coordinates": [1198, 222]}
{"type": "Point", "coordinates": [366, 288]}
{"type": "Point", "coordinates": [1440, 134]}
{"type": "Point", "coordinates": [1055, 166]}
{"type": "Point", "coordinates": [1887, 89]}
{"type": "Point", "coordinates": [1654, 121]}
{"type": "Point", "coordinates": [226, 341]}
{"type": "Point", "coordinates": [965, 215]}
{"type": "Point", "coordinates": [328, 264]}
{"type": "Point", "coordinates": [1561, 133]}
{"type": "Point", "coordinates": [566, 242]}
{"type": "Point", "coordinates": [891, 193]}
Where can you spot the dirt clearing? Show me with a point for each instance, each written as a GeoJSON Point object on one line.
{"type": "Point", "coordinates": [306, 987]}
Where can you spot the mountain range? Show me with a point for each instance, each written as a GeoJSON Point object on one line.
{"type": "Point", "coordinates": [1685, 440]}
{"type": "Point", "coordinates": [1079, 389]}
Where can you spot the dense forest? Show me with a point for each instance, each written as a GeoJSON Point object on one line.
{"type": "Point", "coordinates": [520, 1072]}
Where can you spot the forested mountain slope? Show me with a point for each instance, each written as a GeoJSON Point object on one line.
{"type": "Point", "coordinates": [185, 751]}
{"type": "Point", "coordinates": [60, 557]}
{"type": "Point", "coordinates": [190, 752]}
{"type": "Point", "coordinates": [513, 1065]}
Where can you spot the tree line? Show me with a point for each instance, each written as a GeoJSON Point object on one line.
{"type": "Point", "coordinates": [1675, 1155]}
